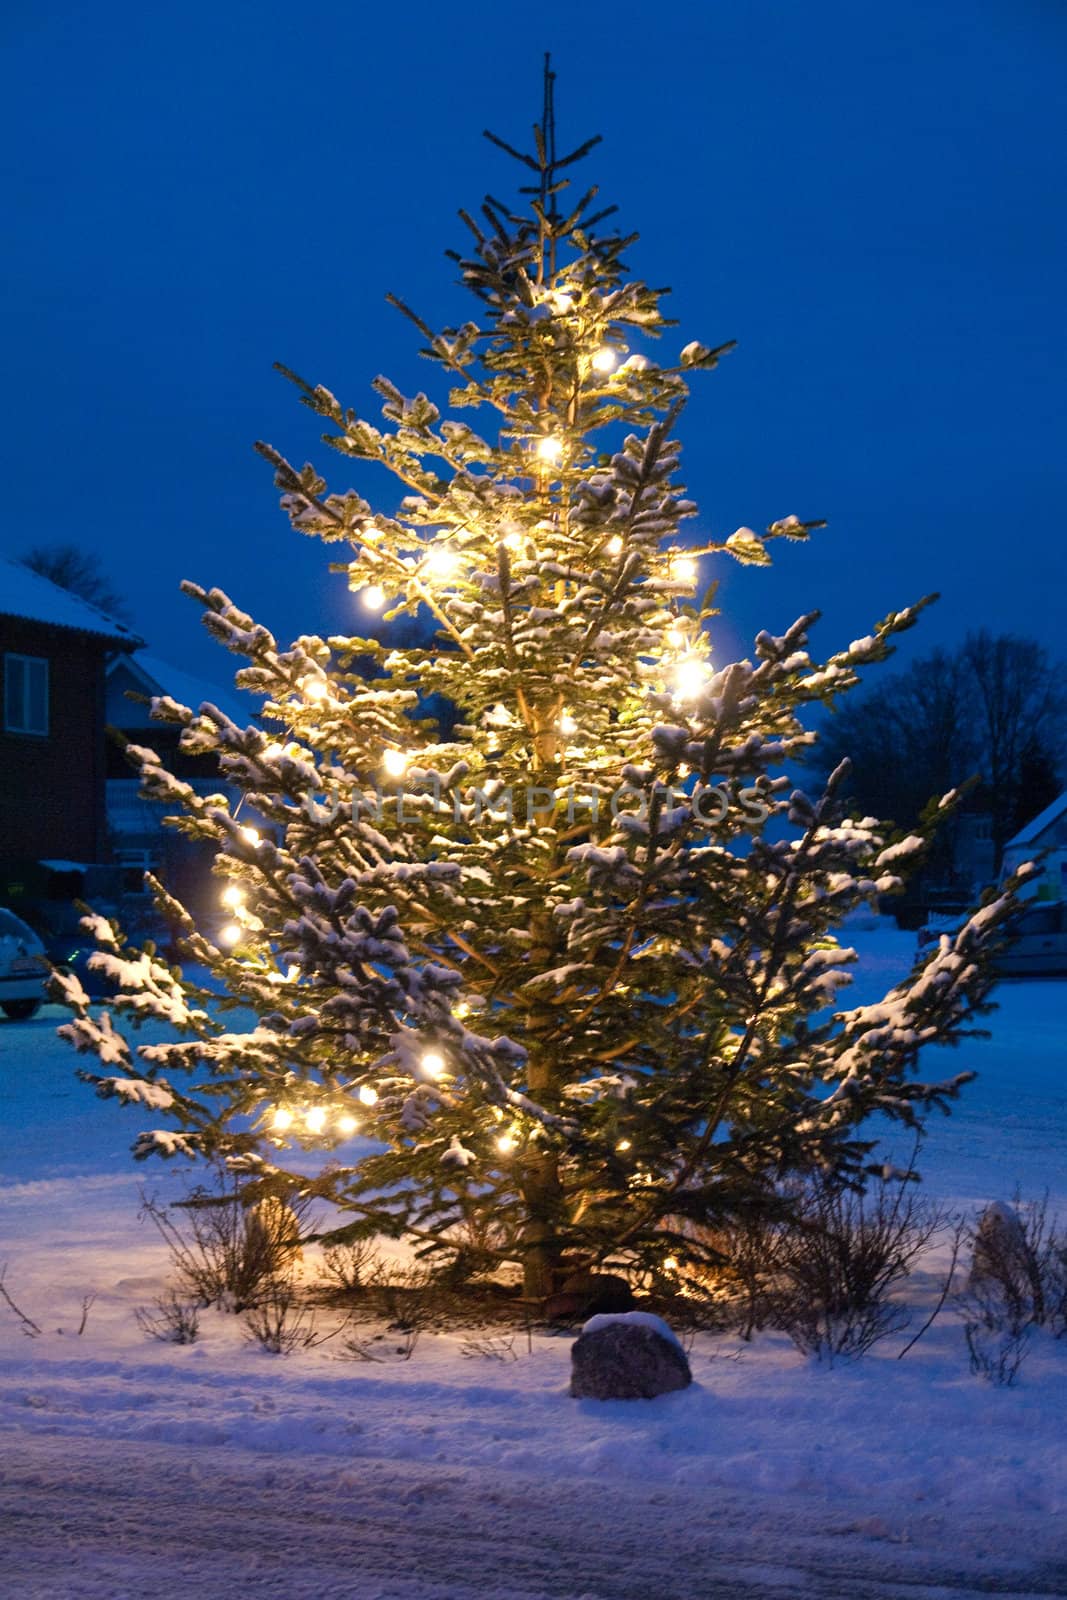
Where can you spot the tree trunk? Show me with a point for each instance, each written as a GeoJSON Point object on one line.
{"type": "Point", "coordinates": [542, 1249]}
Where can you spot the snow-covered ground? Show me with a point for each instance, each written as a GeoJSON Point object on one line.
{"type": "Point", "coordinates": [130, 1467]}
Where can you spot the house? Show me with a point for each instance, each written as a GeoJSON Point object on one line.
{"type": "Point", "coordinates": [1046, 835]}
{"type": "Point", "coordinates": [55, 649]}
{"type": "Point", "coordinates": [140, 840]}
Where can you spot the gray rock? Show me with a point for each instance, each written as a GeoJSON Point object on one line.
{"type": "Point", "coordinates": [623, 1360]}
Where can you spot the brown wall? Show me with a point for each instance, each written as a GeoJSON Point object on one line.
{"type": "Point", "coordinates": [52, 788]}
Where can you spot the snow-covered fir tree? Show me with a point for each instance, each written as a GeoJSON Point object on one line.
{"type": "Point", "coordinates": [569, 960]}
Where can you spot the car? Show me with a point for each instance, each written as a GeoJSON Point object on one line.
{"type": "Point", "coordinates": [1037, 945]}
{"type": "Point", "coordinates": [23, 968]}
{"type": "Point", "coordinates": [1036, 940]}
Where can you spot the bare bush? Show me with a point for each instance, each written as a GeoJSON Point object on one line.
{"type": "Point", "coordinates": [224, 1252]}
{"type": "Point", "coordinates": [489, 1347]}
{"type": "Point", "coordinates": [404, 1295]}
{"type": "Point", "coordinates": [1017, 1282]}
{"type": "Point", "coordinates": [379, 1348]}
{"type": "Point", "coordinates": [996, 1344]}
{"type": "Point", "coordinates": [31, 1329]}
{"type": "Point", "coordinates": [838, 1262]}
{"type": "Point", "coordinates": [172, 1320]}
{"type": "Point", "coordinates": [280, 1322]}
{"type": "Point", "coordinates": [350, 1268]}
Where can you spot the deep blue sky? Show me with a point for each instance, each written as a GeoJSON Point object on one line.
{"type": "Point", "coordinates": [870, 199]}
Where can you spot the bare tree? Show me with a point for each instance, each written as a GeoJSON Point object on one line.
{"type": "Point", "coordinates": [992, 710]}
{"type": "Point", "coordinates": [1020, 708]}
{"type": "Point", "coordinates": [79, 572]}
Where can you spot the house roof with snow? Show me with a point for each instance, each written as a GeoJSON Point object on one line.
{"type": "Point", "coordinates": [31, 598]}
{"type": "Point", "coordinates": [154, 676]}
{"type": "Point", "coordinates": [1035, 829]}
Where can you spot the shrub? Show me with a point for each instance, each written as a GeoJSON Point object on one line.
{"type": "Point", "coordinates": [225, 1252]}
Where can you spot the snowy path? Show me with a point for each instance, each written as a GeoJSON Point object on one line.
{"type": "Point", "coordinates": [165, 1521]}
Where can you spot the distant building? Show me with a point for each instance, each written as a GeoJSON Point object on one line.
{"type": "Point", "coordinates": [140, 840]}
{"type": "Point", "coordinates": [1047, 834]}
{"type": "Point", "coordinates": [54, 653]}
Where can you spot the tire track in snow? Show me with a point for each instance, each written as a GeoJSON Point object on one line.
{"type": "Point", "coordinates": [92, 1519]}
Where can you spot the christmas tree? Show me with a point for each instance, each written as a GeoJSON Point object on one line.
{"type": "Point", "coordinates": [566, 955]}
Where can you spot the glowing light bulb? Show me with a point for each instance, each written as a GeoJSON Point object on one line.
{"type": "Point", "coordinates": [314, 688]}
{"type": "Point", "coordinates": [675, 638]}
{"type": "Point", "coordinates": [462, 1009]}
{"type": "Point", "coordinates": [347, 1125]}
{"type": "Point", "coordinates": [615, 545]}
{"type": "Point", "coordinates": [567, 724]}
{"type": "Point", "coordinates": [367, 1095]}
{"type": "Point", "coordinates": [549, 448]}
{"type": "Point", "coordinates": [685, 569]}
{"type": "Point", "coordinates": [233, 896]}
{"type": "Point", "coordinates": [395, 762]}
{"type": "Point", "coordinates": [623, 1144]}
{"type": "Point", "coordinates": [315, 1120]}
{"type": "Point", "coordinates": [432, 1064]}
{"type": "Point", "coordinates": [441, 563]}
{"type": "Point", "coordinates": [281, 1119]}
{"type": "Point", "coordinates": [274, 750]}
{"type": "Point", "coordinates": [230, 933]}
{"type": "Point", "coordinates": [373, 597]}
{"type": "Point", "coordinates": [690, 677]}
{"type": "Point", "coordinates": [605, 359]}
{"type": "Point", "coordinates": [671, 1263]}
{"type": "Point", "coordinates": [505, 1144]}
{"type": "Point", "coordinates": [561, 300]}
{"type": "Point", "coordinates": [250, 836]}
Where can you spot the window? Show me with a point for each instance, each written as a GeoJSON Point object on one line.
{"type": "Point", "coordinates": [25, 694]}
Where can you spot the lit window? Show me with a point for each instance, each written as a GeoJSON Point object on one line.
{"type": "Point", "coordinates": [25, 694]}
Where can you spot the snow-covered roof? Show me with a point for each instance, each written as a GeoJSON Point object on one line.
{"type": "Point", "coordinates": [27, 595]}
{"type": "Point", "coordinates": [160, 678]}
{"type": "Point", "coordinates": [1044, 819]}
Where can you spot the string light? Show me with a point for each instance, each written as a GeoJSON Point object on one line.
{"type": "Point", "coordinates": [670, 1263]}
{"type": "Point", "coordinates": [274, 750]}
{"type": "Point", "coordinates": [685, 569]}
{"type": "Point", "coordinates": [690, 677]}
{"type": "Point", "coordinates": [561, 300]}
{"type": "Point", "coordinates": [315, 1119]}
{"type": "Point", "coordinates": [229, 933]}
{"type": "Point", "coordinates": [605, 359]}
{"type": "Point", "coordinates": [549, 448]}
{"type": "Point", "coordinates": [373, 597]}
{"type": "Point", "coordinates": [347, 1125]}
{"type": "Point", "coordinates": [395, 762]}
{"type": "Point", "coordinates": [462, 1009]}
{"type": "Point", "coordinates": [233, 896]}
{"type": "Point", "coordinates": [367, 1095]}
{"type": "Point", "coordinates": [567, 724]}
{"type": "Point", "coordinates": [432, 1064]}
{"type": "Point", "coordinates": [675, 638]}
{"type": "Point", "coordinates": [623, 1144]}
{"type": "Point", "coordinates": [615, 545]}
{"type": "Point", "coordinates": [281, 1119]}
{"type": "Point", "coordinates": [441, 562]}
{"type": "Point", "coordinates": [251, 836]}
{"type": "Point", "coordinates": [314, 688]}
{"type": "Point", "coordinates": [505, 1144]}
